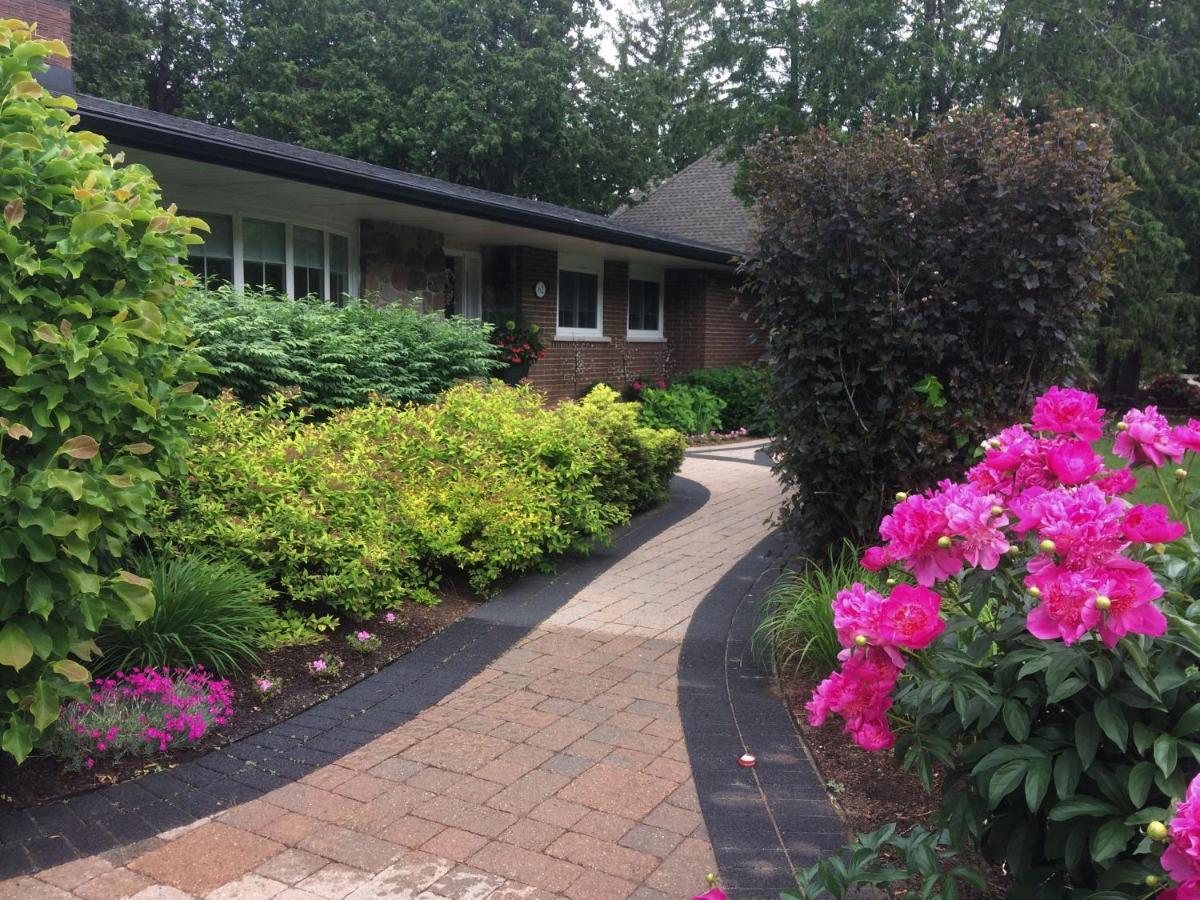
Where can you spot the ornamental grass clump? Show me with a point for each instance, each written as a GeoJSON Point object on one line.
{"type": "Point", "coordinates": [141, 713]}
{"type": "Point", "coordinates": [1045, 657]}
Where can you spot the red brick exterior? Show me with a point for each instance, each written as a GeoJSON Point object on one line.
{"type": "Point", "coordinates": [702, 326]}
{"type": "Point", "coordinates": [53, 18]}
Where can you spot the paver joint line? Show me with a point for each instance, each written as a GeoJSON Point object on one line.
{"type": "Point", "coordinates": [537, 749]}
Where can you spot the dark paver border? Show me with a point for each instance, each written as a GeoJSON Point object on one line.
{"type": "Point", "coordinates": [43, 836]}
{"type": "Point", "coordinates": [764, 822]}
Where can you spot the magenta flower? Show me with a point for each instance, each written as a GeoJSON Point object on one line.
{"type": "Point", "coordinates": [317, 665]}
{"type": "Point", "coordinates": [876, 559]}
{"type": "Point", "coordinates": [1068, 411]}
{"type": "Point", "coordinates": [1182, 858]}
{"type": "Point", "coordinates": [874, 734]}
{"type": "Point", "coordinates": [1147, 438]}
{"type": "Point", "coordinates": [715, 894]}
{"type": "Point", "coordinates": [1150, 525]}
{"type": "Point", "coordinates": [389, 617]}
{"type": "Point", "coordinates": [363, 635]}
{"type": "Point", "coordinates": [1188, 436]}
{"type": "Point", "coordinates": [1073, 462]}
{"type": "Point", "coordinates": [860, 693]}
{"type": "Point", "coordinates": [1059, 612]}
{"type": "Point", "coordinates": [911, 617]}
{"type": "Point", "coordinates": [1083, 523]}
{"type": "Point", "coordinates": [914, 530]}
{"type": "Point", "coordinates": [971, 518]}
{"type": "Point", "coordinates": [1129, 587]}
{"type": "Point", "coordinates": [856, 614]}
{"type": "Point", "coordinates": [1122, 481]}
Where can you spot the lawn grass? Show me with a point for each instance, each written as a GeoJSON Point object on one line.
{"type": "Point", "coordinates": [1148, 490]}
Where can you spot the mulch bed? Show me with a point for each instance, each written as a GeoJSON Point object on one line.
{"type": "Point", "coordinates": [869, 790]}
{"type": "Point", "coordinates": [42, 779]}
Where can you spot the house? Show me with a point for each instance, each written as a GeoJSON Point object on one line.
{"type": "Point", "coordinates": [614, 299]}
{"type": "Point", "coordinates": [699, 203]}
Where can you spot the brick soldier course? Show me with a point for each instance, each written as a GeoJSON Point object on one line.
{"type": "Point", "coordinates": [558, 770]}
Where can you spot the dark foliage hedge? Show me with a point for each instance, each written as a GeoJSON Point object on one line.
{"type": "Point", "coordinates": [742, 388]}
{"type": "Point", "coordinates": [915, 288]}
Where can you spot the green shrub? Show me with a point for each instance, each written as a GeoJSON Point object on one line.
{"type": "Point", "coordinates": [743, 390]}
{"type": "Point", "coordinates": [337, 356]}
{"type": "Point", "coordinates": [362, 510]}
{"type": "Point", "coordinates": [690, 410]}
{"type": "Point", "coordinates": [207, 613]}
{"type": "Point", "coordinates": [636, 474]}
{"type": "Point", "coordinates": [914, 289]}
{"type": "Point", "coordinates": [95, 391]}
{"type": "Point", "coordinates": [797, 625]}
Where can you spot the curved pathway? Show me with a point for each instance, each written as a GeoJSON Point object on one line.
{"type": "Point", "coordinates": [558, 770]}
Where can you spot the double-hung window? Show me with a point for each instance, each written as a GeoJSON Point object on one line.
{"type": "Point", "coordinates": [645, 302]}
{"type": "Point", "coordinates": [580, 303]}
{"type": "Point", "coordinates": [212, 261]}
{"type": "Point", "coordinates": [264, 255]}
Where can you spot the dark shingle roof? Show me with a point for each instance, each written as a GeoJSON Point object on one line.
{"type": "Point", "coordinates": [142, 129]}
{"type": "Point", "coordinates": [697, 203]}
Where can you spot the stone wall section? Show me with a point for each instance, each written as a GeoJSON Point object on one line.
{"type": "Point", "coordinates": [400, 263]}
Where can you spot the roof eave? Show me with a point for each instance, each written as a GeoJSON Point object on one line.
{"type": "Point", "coordinates": [177, 141]}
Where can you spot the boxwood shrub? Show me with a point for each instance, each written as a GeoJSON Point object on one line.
{"type": "Point", "coordinates": [367, 507]}
{"type": "Point", "coordinates": [743, 391]}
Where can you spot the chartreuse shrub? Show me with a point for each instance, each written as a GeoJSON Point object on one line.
{"type": "Point", "coordinates": [95, 389]}
{"type": "Point", "coordinates": [743, 390]}
{"type": "Point", "coordinates": [363, 510]}
{"type": "Point", "coordinates": [1046, 656]}
{"type": "Point", "coordinates": [261, 343]}
{"type": "Point", "coordinates": [912, 287]}
{"type": "Point", "coordinates": [690, 410]}
{"type": "Point", "coordinates": [207, 612]}
{"type": "Point", "coordinates": [635, 472]}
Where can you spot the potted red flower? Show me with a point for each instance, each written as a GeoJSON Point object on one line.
{"type": "Point", "coordinates": [518, 344]}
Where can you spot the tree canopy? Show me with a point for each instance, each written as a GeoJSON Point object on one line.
{"type": "Point", "coordinates": [517, 96]}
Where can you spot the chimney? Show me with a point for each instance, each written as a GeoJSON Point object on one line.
{"type": "Point", "coordinates": [53, 18]}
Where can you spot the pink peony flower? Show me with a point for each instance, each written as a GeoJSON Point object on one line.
{"type": "Point", "coordinates": [971, 518]}
{"type": "Point", "coordinates": [1182, 858]}
{"type": "Point", "coordinates": [913, 531]}
{"type": "Point", "coordinates": [856, 613]}
{"type": "Point", "coordinates": [1150, 525]}
{"type": "Point", "coordinates": [715, 894]}
{"type": "Point", "coordinates": [874, 734]}
{"type": "Point", "coordinates": [1073, 462]}
{"type": "Point", "coordinates": [90, 763]}
{"type": "Point", "coordinates": [911, 617]}
{"type": "Point", "coordinates": [1059, 612]}
{"type": "Point", "coordinates": [1083, 523]}
{"type": "Point", "coordinates": [859, 693]}
{"type": "Point", "coordinates": [1068, 411]}
{"type": "Point", "coordinates": [876, 559]}
{"type": "Point", "coordinates": [1129, 587]}
{"type": "Point", "coordinates": [1147, 438]}
{"type": "Point", "coordinates": [1122, 481]}
{"type": "Point", "coordinates": [1188, 436]}
{"type": "Point", "coordinates": [1189, 890]}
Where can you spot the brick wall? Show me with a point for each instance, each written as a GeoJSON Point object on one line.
{"type": "Point", "coordinates": [53, 18]}
{"type": "Point", "coordinates": [727, 335]}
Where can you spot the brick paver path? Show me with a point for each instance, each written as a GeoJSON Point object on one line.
{"type": "Point", "coordinates": [559, 771]}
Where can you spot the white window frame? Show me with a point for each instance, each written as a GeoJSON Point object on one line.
{"type": "Point", "coordinates": [587, 265]}
{"type": "Point", "coordinates": [473, 267]}
{"type": "Point", "coordinates": [239, 258]}
{"type": "Point", "coordinates": [646, 272]}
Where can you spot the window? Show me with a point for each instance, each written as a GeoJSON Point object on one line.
{"type": "Point", "coordinates": [308, 262]}
{"type": "Point", "coordinates": [645, 302]}
{"type": "Point", "coordinates": [579, 307]}
{"type": "Point", "coordinates": [264, 255]}
{"type": "Point", "coordinates": [212, 261]}
{"type": "Point", "coordinates": [339, 267]}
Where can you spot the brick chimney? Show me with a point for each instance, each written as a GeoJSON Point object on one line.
{"type": "Point", "coordinates": [53, 18]}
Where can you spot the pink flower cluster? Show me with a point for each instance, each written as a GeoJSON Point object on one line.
{"type": "Point", "coordinates": [874, 629]}
{"type": "Point", "coordinates": [1182, 858]}
{"type": "Point", "coordinates": [143, 710]}
{"type": "Point", "coordinates": [1041, 486]}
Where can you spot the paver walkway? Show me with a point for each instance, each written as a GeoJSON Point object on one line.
{"type": "Point", "coordinates": [559, 771]}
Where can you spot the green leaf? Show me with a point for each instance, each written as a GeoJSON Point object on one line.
{"type": "Point", "coordinates": [1140, 780]}
{"type": "Point", "coordinates": [1110, 839]}
{"type": "Point", "coordinates": [45, 705]}
{"type": "Point", "coordinates": [66, 480]}
{"type": "Point", "coordinates": [1068, 809]}
{"type": "Point", "coordinates": [1067, 770]}
{"type": "Point", "coordinates": [1166, 754]}
{"type": "Point", "coordinates": [1087, 739]}
{"type": "Point", "coordinates": [1189, 723]}
{"type": "Point", "coordinates": [15, 648]}
{"type": "Point", "coordinates": [72, 671]}
{"type": "Point", "coordinates": [18, 738]}
{"type": "Point", "coordinates": [1005, 779]}
{"type": "Point", "coordinates": [1112, 721]}
{"type": "Point", "coordinates": [1016, 719]}
{"type": "Point", "coordinates": [1036, 783]}
{"type": "Point", "coordinates": [1068, 688]}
